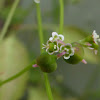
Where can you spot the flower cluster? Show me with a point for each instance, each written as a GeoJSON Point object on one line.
{"type": "Point", "coordinates": [55, 44]}
{"type": "Point", "coordinates": [95, 37]}
{"type": "Point", "coordinates": [72, 53]}
{"type": "Point", "coordinates": [91, 42]}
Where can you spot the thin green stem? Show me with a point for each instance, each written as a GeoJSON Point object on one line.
{"type": "Point", "coordinates": [61, 17]}
{"type": "Point", "coordinates": [40, 26]}
{"type": "Point", "coordinates": [47, 85]}
{"type": "Point", "coordinates": [16, 75]}
{"type": "Point", "coordinates": [48, 88]}
{"type": "Point", "coordinates": [9, 18]}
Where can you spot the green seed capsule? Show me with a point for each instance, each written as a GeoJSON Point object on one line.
{"type": "Point", "coordinates": [95, 46]}
{"type": "Point", "coordinates": [78, 54]}
{"type": "Point", "coordinates": [47, 62]}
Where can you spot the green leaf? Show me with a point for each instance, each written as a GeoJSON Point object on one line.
{"type": "Point", "coordinates": [13, 58]}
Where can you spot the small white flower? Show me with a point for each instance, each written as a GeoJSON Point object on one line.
{"type": "Point", "coordinates": [69, 53]}
{"type": "Point", "coordinates": [65, 47]}
{"type": "Point", "coordinates": [37, 1]}
{"type": "Point", "coordinates": [95, 37]}
{"type": "Point", "coordinates": [68, 49]}
{"type": "Point", "coordinates": [56, 36]}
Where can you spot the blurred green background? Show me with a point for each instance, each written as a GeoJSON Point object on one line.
{"type": "Point", "coordinates": [21, 45]}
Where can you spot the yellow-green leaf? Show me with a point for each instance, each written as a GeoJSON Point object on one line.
{"type": "Point", "coordinates": [13, 58]}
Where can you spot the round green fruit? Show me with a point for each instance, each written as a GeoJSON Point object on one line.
{"type": "Point", "coordinates": [47, 62]}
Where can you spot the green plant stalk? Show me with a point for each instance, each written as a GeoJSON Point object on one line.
{"type": "Point", "coordinates": [61, 16]}
{"type": "Point", "coordinates": [40, 26]}
{"type": "Point", "coordinates": [47, 85]}
{"type": "Point", "coordinates": [16, 75]}
{"type": "Point", "coordinates": [9, 18]}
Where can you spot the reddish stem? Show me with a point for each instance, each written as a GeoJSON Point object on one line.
{"type": "Point", "coordinates": [61, 54]}
{"type": "Point", "coordinates": [84, 61]}
{"type": "Point", "coordinates": [61, 42]}
{"type": "Point", "coordinates": [35, 65]}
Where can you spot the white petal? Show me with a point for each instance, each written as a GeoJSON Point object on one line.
{"type": "Point", "coordinates": [95, 35]}
{"type": "Point", "coordinates": [57, 49]}
{"type": "Point", "coordinates": [62, 37]}
{"type": "Point", "coordinates": [37, 1]}
{"type": "Point", "coordinates": [47, 50]}
{"type": "Point", "coordinates": [94, 31]}
{"type": "Point", "coordinates": [72, 52]}
{"type": "Point", "coordinates": [95, 40]}
{"type": "Point", "coordinates": [50, 53]}
{"type": "Point", "coordinates": [69, 45]}
{"type": "Point", "coordinates": [66, 57]}
{"type": "Point", "coordinates": [98, 40]}
{"type": "Point", "coordinates": [51, 38]}
{"type": "Point", "coordinates": [61, 47]}
{"type": "Point", "coordinates": [54, 34]}
{"type": "Point", "coordinates": [44, 46]}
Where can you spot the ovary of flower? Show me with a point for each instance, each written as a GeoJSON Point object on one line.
{"type": "Point", "coordinates": [95, 37]}
{"type": "Point", "coordinates": [37, 1]}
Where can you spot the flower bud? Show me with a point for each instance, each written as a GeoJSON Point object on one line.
{"type": "Point", "coordinates": [78, 54]}
{"type": "Point", "coordinates": [47, 62]}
